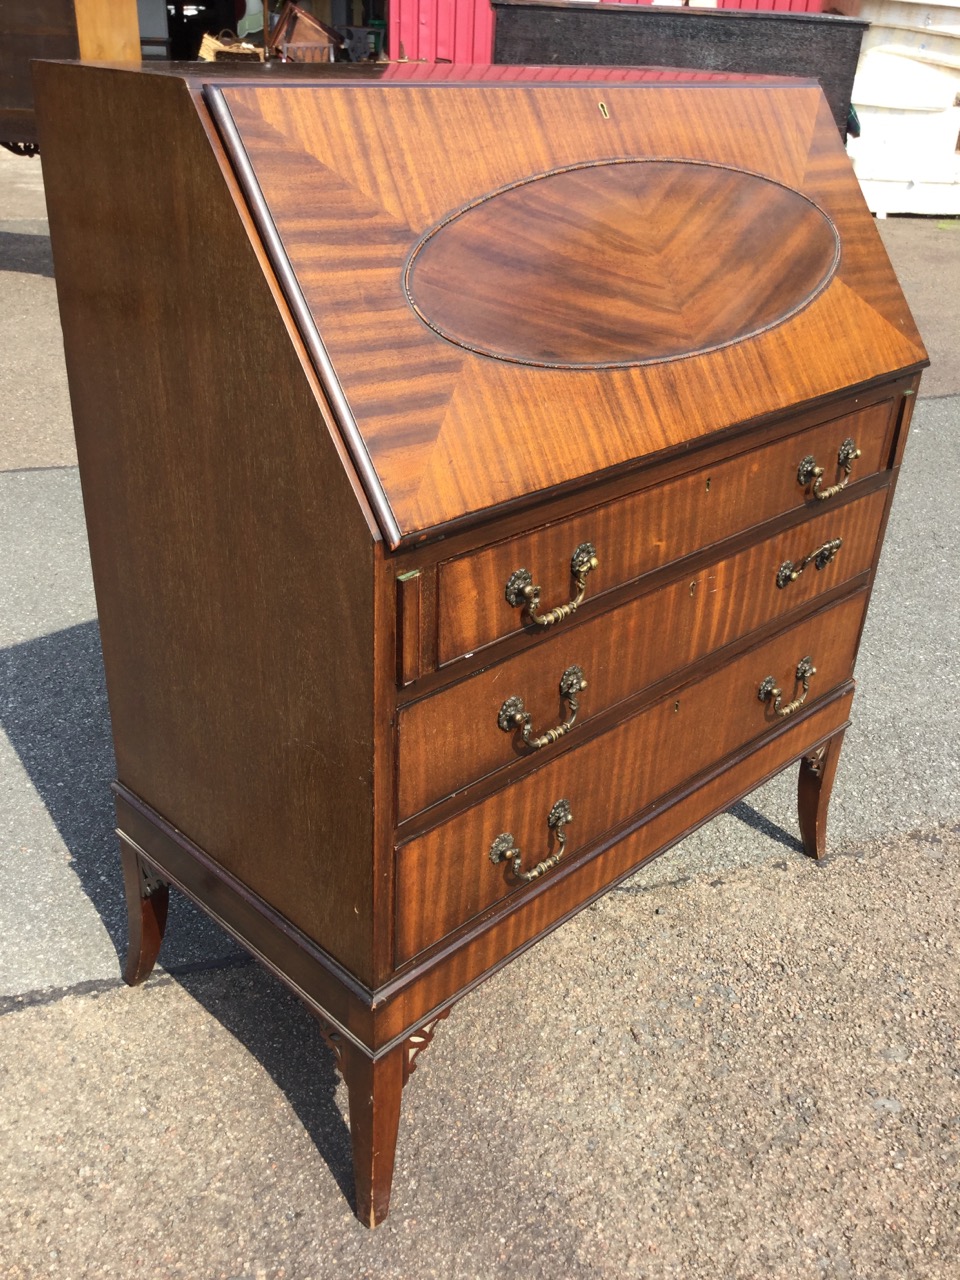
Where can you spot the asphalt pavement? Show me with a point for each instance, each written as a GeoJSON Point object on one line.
{"type": "Point", "coordinates": [740, 1064]}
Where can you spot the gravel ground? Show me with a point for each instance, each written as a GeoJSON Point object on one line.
{"type": "Point", "coordinates": [754, 1076]}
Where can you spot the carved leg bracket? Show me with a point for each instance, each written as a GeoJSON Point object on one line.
{"type": "Point", "coordinates": [817, 772]}
{"type": "Point", "coordinates": [147, 900]}
{"type": "Point", "coordinates": [374, 1088]}
{"type": "Point", "coordinates": [416, 1043]}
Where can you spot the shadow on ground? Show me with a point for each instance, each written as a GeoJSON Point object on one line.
{"type": "Point", "coordinates": [55, 714]}
{"type": "Point", "coordinates": [760, 822]}
{"type": "Point", "coordinates": [25, 254]}
{"type": "Point", "coordinates": [277, 1030]}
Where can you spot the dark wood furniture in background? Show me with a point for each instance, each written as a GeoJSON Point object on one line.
{"type": "Point", "coordinates": [467, 528]}
{"type": "Point", "coordinates": [104, 30]}
{"type": "Point", "coordinates": [812, 45]}
{"type": "Point", "coordinates": [299, 36]}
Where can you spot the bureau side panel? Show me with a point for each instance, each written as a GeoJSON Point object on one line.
{"type": "Point", "coordinates": [232, 561]}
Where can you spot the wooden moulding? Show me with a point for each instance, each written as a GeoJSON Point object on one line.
{"type": "Point", "coordinates": [304, 320]}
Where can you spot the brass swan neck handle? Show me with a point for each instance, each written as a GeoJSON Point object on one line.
{"type": "Point", "coordinates": [809, 473]}
{"type": "Point", "coordinates": [820, 558]}
{"type": "Point", "coordinates": [521, 593]}
{"type": "Point", "coordinates": [769, 691]}
{"type": "Point", "coordinates": [504, 847]}
{"type": "Point", "coordinates": [514, 715]}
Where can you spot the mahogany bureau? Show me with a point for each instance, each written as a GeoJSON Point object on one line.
{"type": "Point", "coordinates": [485, 476]}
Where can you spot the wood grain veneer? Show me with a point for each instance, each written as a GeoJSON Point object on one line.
{"type": "Point", "coordinates": [621, 653]}
{"type": "Point", "coordinates": [445, 877]}
{"type": "Point", "coordinates": [648, 529]}
{"type": "Point", "coordinates": [496, 937]}
{"type": "Point", "coordinates": [304, 502]}
{"type": "Point", "coordinates": [452, 433]}
{"type": "Point", "coordinates": [657, 259]}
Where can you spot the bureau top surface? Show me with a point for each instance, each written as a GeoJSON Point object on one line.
{"type": "Point", "coordinates": [510, 287]}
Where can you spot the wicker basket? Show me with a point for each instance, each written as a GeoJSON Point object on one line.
{"type": "Point", "coordinates": [227, 48]}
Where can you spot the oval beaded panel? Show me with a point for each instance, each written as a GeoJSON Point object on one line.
{"type": "Point", "coordinates": [621, 262]}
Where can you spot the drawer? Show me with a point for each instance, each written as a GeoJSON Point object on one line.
{"type": "Point", "coordinates": [446, 876]}
{"type": "Point", "coordinates": [623, 651]}
{"type": "Point", "coordinates": [648, 529]}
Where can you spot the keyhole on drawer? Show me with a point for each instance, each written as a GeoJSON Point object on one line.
{"type": "Point", "coordinates": [603, 110]}
{"type": "Point", "coordinates": [708, 484]}
{"type": "Point", "coordinates": [693, 587]}
{"type": "Point", "coordinates": [676, 705]}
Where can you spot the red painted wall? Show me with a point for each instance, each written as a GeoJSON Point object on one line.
{"type": "Point", "coordinates": [441, 30]}
{"type": "Point", "coordinates": [782, 6]}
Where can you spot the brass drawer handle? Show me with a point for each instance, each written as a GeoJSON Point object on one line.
{"type": "Point", "coordinates": [768, 689]}
{"type": "Point", "coordinates": [790, 572]}
{"type": "Point", "coordinates": [808, 471]}
{"type": "Point", "coordinates": [503, 847]}
{"type": "Point", "coordinates": [513, 714]}
{"type": "Point", "coordinates": [521, 592]}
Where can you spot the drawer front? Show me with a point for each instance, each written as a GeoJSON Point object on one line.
{"type": "Point", "coordinates": [446, 876]}
{"type": "Point", "coordinates": [646, 530]}
{"type": "Point", "coordinates": [503, 933]}
{"type": "Point", "coordinates": [454, 737]}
